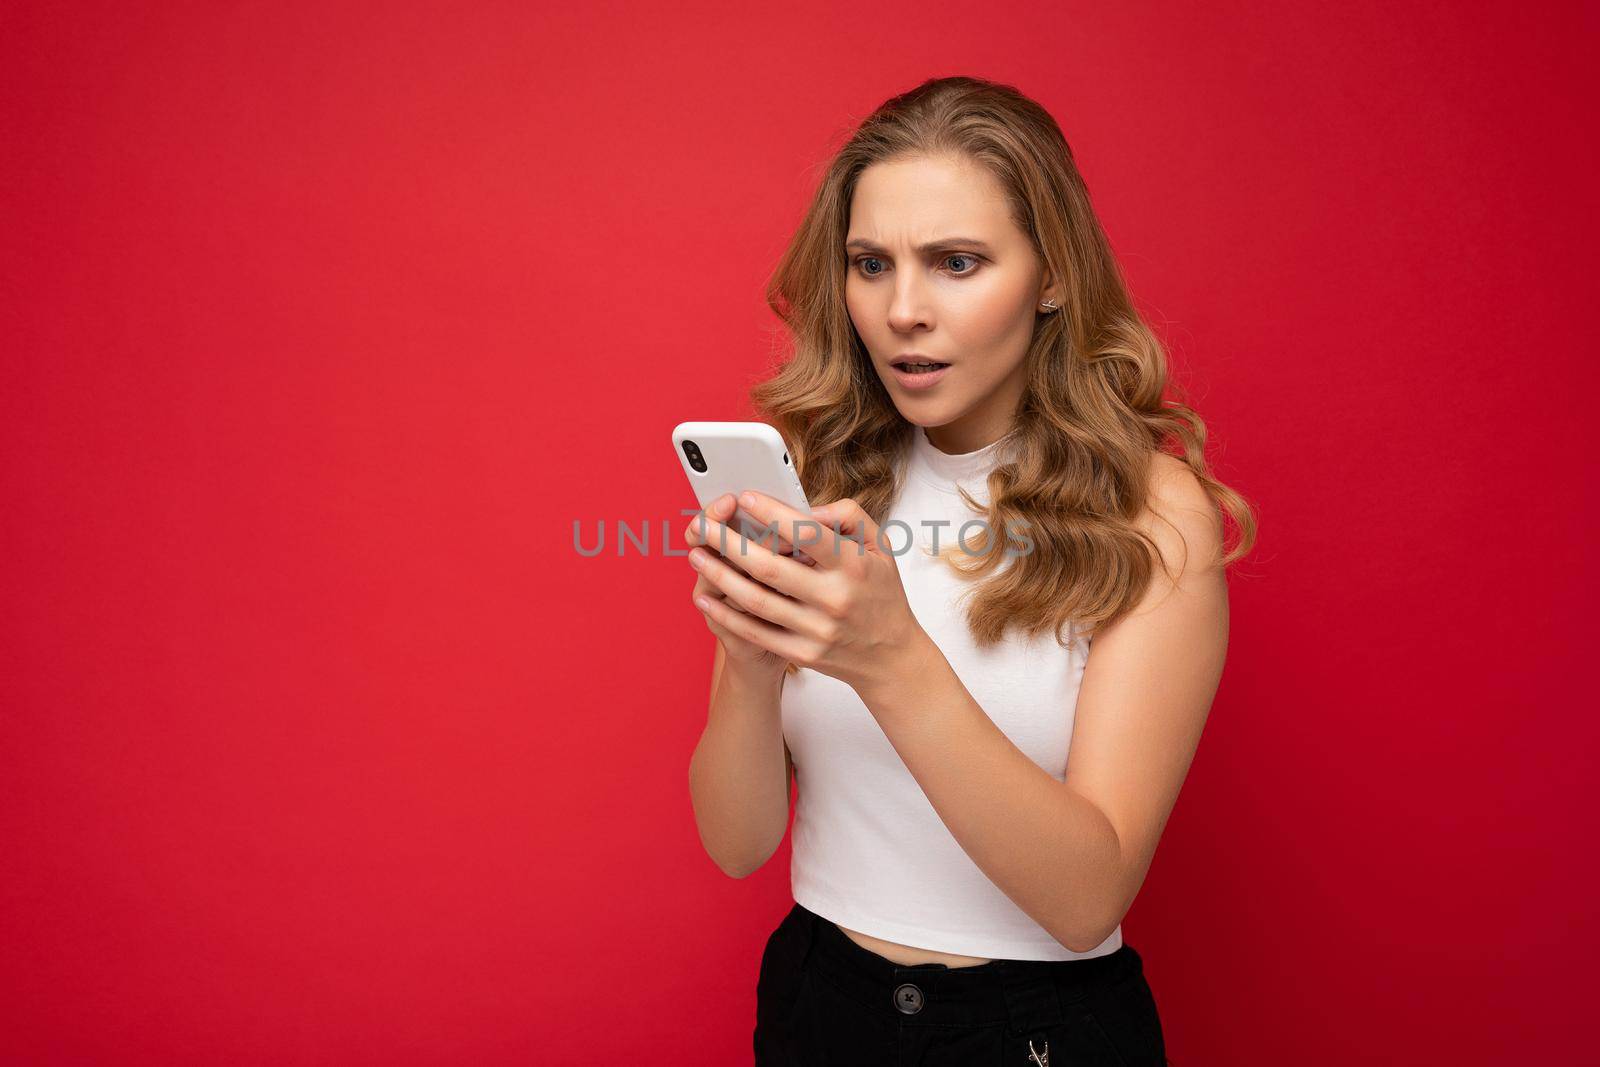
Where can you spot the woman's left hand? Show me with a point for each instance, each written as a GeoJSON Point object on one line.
{"type": "Point", "coordinates": [847, 616]}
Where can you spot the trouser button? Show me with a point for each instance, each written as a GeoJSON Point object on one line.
{"type": "Point", "coordinates": [908, 998]}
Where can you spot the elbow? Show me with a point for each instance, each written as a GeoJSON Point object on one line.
{"type": "Point", "coordinates": [745, 867]}
{"type": "Point", "coordinates": [1087, 938]}
{"type": "Point", "coordinates": [751, 863]}
{"type": "Point", "coordinates": [740, 872]}
{"type": "Point", "coordinates": [732, 871]}
{"type": "Point", "coordinates": [1084, 944]}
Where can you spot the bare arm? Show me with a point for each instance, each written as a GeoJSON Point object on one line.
{"type": "Point", "coordinates": [741, 772]}
{"type": "Point", "coordinates": [1074, 854]}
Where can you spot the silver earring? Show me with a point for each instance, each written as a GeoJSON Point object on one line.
{"type": "Point", "coordinates": [1049, 305]}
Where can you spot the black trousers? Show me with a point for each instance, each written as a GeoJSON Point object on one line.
{"type": "Point", "coordinates": [822, 999]}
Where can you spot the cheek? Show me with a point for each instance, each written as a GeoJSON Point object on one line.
{"type": "Point", "coordinates": [857, 309]}
{"type": "Point", "coordinates": [868, 320]}
{"type": "Point", "coordinates": [989, 316]}
{"type": "Point", "coordinates": [992, 330]}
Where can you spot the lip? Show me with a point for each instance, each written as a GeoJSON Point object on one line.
{"type": "Point", "coordinates": [926, 380]}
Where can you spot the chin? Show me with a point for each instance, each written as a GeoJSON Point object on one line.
{"type": "Point", "coordinates": [929, 416]}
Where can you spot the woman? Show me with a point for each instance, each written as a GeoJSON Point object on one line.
{"type": "Point", "coordinates": [979, 799]}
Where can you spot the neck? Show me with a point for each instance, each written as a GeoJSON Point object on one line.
{"type": "Point", "coordinates": [983, 425]}
{"type": "Point", "coordinates": [957, 440]}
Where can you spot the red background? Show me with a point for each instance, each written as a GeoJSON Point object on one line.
{"type": "Point", "coordinates": [324, 323]}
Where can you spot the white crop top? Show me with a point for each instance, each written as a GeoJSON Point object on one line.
{"type": "Point", "coordinates": [868, 851]}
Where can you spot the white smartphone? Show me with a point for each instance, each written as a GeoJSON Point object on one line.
{"type": "Point", "coordinates": [728, 457]}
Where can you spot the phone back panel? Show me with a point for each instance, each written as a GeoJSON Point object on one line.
{"type": "Point", "coordinates": [739, 456]}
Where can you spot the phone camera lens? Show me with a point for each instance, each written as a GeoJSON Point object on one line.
{"type": "Point", "coordinates": [696, 461]}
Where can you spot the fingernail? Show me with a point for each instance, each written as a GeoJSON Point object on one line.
{"type": "Point", "coordinates": [748, 499]}
{"type": "Point", "coordinates": [695, 558]}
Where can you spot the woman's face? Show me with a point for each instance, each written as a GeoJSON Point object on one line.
{"type": "Point", "coordinates": [939, 271]}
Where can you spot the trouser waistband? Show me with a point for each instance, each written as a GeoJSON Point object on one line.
{"type": "Point", "coordinates": [1027, 994]}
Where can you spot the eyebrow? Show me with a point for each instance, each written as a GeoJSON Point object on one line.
{"type": "Point", "coordinates": [932, 246]}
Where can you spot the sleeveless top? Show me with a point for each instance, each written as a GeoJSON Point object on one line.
{"type": "Point", "coordinates": [868, 850]}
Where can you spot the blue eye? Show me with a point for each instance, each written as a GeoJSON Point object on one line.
{"type": "Point", "coordinates": [860, 260]}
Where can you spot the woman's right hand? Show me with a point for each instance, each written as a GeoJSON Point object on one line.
{"type": "Point", "coordinates": [741, 654]}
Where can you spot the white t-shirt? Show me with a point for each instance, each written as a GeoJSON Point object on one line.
{"type": "Point", "coordinates": [869, 852]}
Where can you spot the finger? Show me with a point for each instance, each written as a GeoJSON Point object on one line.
{"type": "Point", "coordinates": [704, 586]}
{"type": "Point", "coordinates": [830, 534]}
{"type": "Point", "coordinates": [755, 598]}
{"type": "Point", "coordinates": [766, 566]}
{"type": "Point", "coordinates": [714, 525]}
{"type": "Point", "coordinates": [724, 510]}
{"type": "Point", "coordinates": [774, 639]}
{"type": "Point", "coordinates": [718, 631]}
{"type": "Point", "coordinates": [821, 544]}
{"type": "Point", "coordinates": [715, 510]}
{"type": "Point", "coordinates": [850, 517]}
{"type": "Point", "coordinates": [728, 638]}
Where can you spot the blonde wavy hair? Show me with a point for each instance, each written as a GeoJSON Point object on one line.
{"type": "Point", "coordinates": [1092, 415]}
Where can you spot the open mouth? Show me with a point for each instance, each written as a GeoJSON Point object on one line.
{"type": "Point", "coordinates": [918, 374]}
{"type": "Point", "coordinates": [918, 366]}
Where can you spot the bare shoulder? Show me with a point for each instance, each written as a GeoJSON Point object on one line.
{"type": "Point", "coordinates": [1181, 517]}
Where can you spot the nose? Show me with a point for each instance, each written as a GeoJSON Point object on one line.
{"type": "Point", "coordinates": [908, 306]}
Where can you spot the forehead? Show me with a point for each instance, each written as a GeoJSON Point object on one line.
{"type": "Point", "coordinates": [915, 200]}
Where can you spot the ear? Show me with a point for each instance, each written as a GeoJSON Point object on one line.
{"type": "Point", "coordinates": [1048, 292]}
